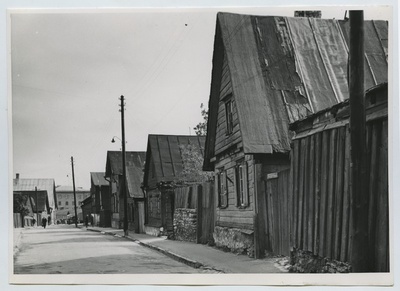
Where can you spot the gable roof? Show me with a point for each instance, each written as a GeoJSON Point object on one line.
{"type": "Point", "coordinates": [283, 69]}
{"type": "Point", "coordinates": [134, 169]}
{"type": "Point", "coordinates": [98, 179]}
{"type": "Point", "coordinates": [164, 154]}
{"type": "Point", "coordinates": [28, 185]}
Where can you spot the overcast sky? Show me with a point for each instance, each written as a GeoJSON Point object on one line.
{"type": "Point", "coordinates": [69, 70]}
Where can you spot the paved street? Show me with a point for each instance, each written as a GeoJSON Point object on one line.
{"type": "Point", "coordinates": [63, 249]}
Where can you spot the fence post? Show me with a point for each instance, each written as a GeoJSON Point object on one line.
{"type": "Point", "coordinates": [199, 213]}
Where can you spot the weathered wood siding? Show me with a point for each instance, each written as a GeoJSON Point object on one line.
{"type": "Point", "coordinates": [322, 203]}
{"type": "Point", "coordinates": [278, 210]}
{"type": "Point", "coordinates": [154, 208]}
{"type": "Point", "coordinates": [224, 141]}
{"type": "Point", "coordinates": [234, 216]}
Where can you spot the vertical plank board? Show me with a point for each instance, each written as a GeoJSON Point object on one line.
{"type": "Point", "coordinates": [290, 200]}
{"type": "Point", "coordinates": [296, 150]}
{"type": "Point", "coordinates": [310, 193]}
{"type": "Point", "coordinates": [382, 262]}
{"type": "Point", "coordinates": [199, 214]}
{"type": "Point", "coordinates": [344, 245]}
{"type": "Point", "coordinates": [275, 218]}
{"type": "Point", "coordinates": [331, 192]}
{"type": "Point", "coordinates": [286, 214]}
{"type": "Point", "coordinates": [339, 192]}
{"type": "Point", "coordinates": [259, 244]}
{"type": "Point", "coordinates": [306, 171]}
{"type": "Point", "coordinates": [317, 189]}
{"type": "Point", "coordinates": [324, 190]}
{"type": "Point", "coordinates": [374, 131]}
{"type": "Point", "coordinates": [268, 243]}
{"type": "Point", "coordinates": [300, 221]}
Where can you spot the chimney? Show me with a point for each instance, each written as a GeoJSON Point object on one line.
{"type": "Point", "coordinates": [308, 13]}
{"type": "Point", "coordinates": [16, 179]}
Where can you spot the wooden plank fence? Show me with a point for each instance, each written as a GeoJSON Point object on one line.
{"type": "Point", "coordinates": [320, 182]}
{"type": "Point", "coordinates": [201, 198]}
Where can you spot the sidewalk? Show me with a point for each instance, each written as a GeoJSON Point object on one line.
{"type": "Point", "coordinates": [198, 255]}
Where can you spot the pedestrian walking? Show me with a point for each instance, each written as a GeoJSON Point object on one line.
{"type": "Point", "coordinates": [44, 222]}
{"type": "Point", "coordinates": [86, 220]}
{"type": "Point", "coordinates": [33, 222]}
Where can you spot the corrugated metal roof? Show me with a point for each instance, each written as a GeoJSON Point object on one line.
{"type": "Point", "coordinates": [285, 68]}
{"type": "Point", "coordinates": [165, 153]}
{"type": "Point", "coordinates": [98, 179]}
{"type": "Point", "coordinates": [134, 169]}
{"type": "Point", "coordinates": [48, 185]}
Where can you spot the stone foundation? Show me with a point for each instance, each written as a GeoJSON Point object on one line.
{"type": "Point", "coordinates": [234, 240]}
{"type": "Point", "coordinates": [306, 262]}
{"type": "Point", "coordinates": [185, 224]}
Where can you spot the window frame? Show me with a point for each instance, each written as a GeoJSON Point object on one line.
{"type": "Point", "coordinates": [242, 185]}
{"type": "Point", "coordinates": [229, 115]}
{"type": "Point", "coordinates": [223, 198]}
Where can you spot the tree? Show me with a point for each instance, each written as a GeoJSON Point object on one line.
{"type": "Point", "coordinates": [193, 165]}
{"type": "Point", "coordinates": [201, 127]}
{"type": "Point", "coordinates": [20, 207]}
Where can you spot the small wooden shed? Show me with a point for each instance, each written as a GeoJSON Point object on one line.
{"type": "Point", "coordinates": [164, 168]}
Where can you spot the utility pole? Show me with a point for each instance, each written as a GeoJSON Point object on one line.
{"type": "Point", "coordinates": [124, 192]}
{"type": "Point", "coordinates": [37, 213]}
{"type": "Point", "coordinates": [360, 248]}
{"type": "Point", "coordinates": [73, 185]}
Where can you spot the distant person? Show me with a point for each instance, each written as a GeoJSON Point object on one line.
{"type": "Point", "coordinates": [33, 222]}
{"type": "Point", "coordinates": [44, 222]}
{"type": "Point", "coordinates": [87, 221]}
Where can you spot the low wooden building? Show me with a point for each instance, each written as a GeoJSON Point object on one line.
{"type": "Point", "coordinates": [101, 199]}
{"type": "Point", "coordinates": [268, 72]}
{"type": "Point", "coordinates": [164, 168]}
{"type": "Point", "coordinates": [39, 196]}
{"type": "Point", "coordinates": [134, 177]}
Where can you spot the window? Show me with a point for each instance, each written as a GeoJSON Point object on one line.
{"type": "Point", "coordinates": [229, 116]}
{"type": "Point", "coordinates": [59, 203]}
{"type": "Point", "coordinates": [66, 203]}
{"type": "Point", "coordinates": [242, 185]}
{"type": "Point", "coordinates": [222, 190]}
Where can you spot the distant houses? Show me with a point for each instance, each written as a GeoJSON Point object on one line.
{"type": "Point", "coordinates": [113, 174]}
{"type": "Point", "coordinates": [37, 197]}
{"type": "Point", "coordinates": [65, 202]}
{"type": "Point", "coordinates": [100, 200]}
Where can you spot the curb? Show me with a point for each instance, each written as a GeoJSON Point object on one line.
{"type": "Point", "coordinates": [179, 258]}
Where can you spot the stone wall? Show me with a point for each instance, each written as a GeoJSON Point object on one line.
{"type": "Point", "coordinates": [306, 262]}
{"type": "Point", "coordinates": [234, 240]}
{"type": "Point", "coordinates": [185, 224]}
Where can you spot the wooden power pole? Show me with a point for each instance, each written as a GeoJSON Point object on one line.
{"type": "Point", "coordinates": [124, 192]}
{"type": "Point", "coordinates": [360, 245]}
{"type": "Point", "coordinates": [73, 185]}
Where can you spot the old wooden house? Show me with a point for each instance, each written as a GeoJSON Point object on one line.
{"type": "Point", "coordinates": [101, 199]}
{"type": "Point", "coordinates": [163, 170]}
{"type": "Point", "coordinates": [134, 177]}
{"type": "Point", "coordinates": [269, 71]}
{"type": "Point", "coordinates": [39, 196]}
